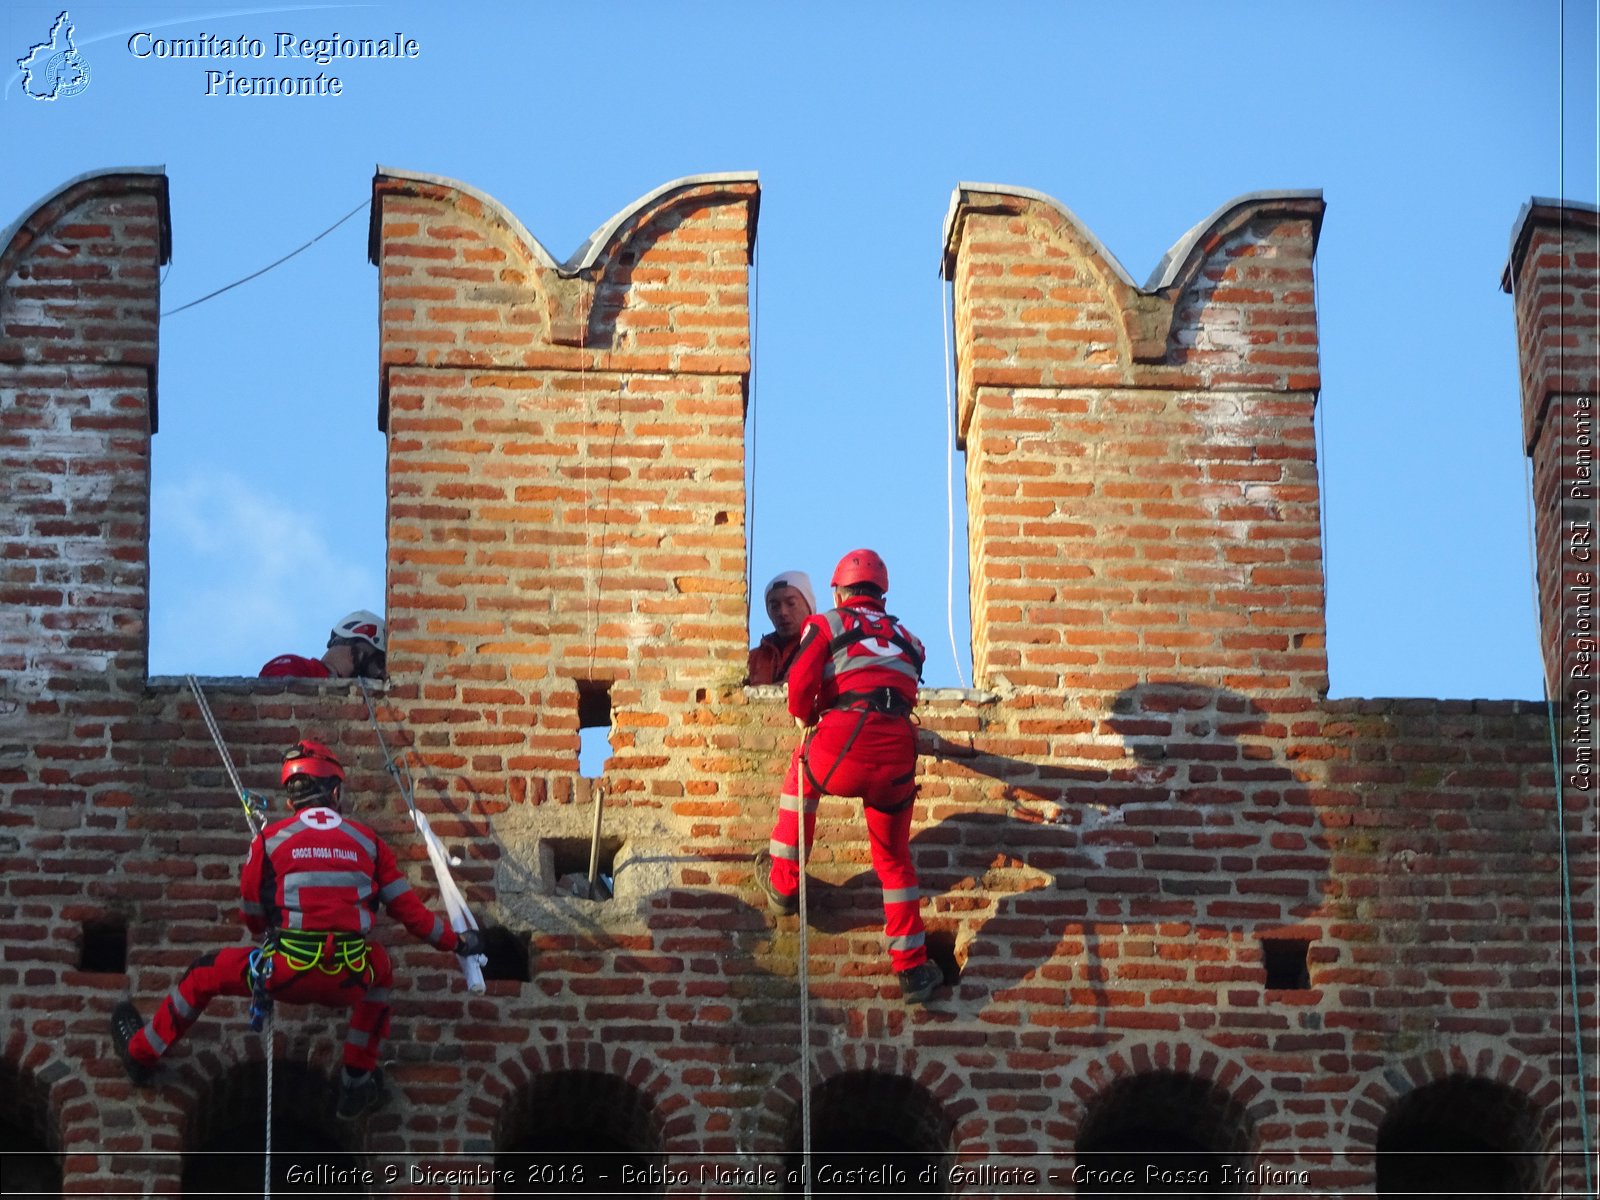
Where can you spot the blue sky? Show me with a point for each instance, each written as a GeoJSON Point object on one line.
{"type": "Point", "coordinates": [1427, 125]}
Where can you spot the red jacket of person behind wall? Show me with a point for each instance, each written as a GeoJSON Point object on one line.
{"type": "Point", "coordinates": [320, 871]}
{"type": "Point", "coordinates": [293, 666]}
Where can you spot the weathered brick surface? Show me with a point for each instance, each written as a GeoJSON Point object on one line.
{"type": "Point", "coordinates": [1554, 278]}
{"type": "Point", "coordinates": [1146, 787]}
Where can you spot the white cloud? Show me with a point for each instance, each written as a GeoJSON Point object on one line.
{"type": "Point", "coordinates": [239, 574]}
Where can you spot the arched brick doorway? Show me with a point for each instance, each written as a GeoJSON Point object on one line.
{"type": "Point", "coordinates": [1163, 1133]}
{"type": "Point", "coordinates": [312, 1153]}
{"type": "Point", "coordinates": [870, 1121]}
{"type": "Point", "coordinates": [579, 1133]}
{"type": "Point", "coordinates": [30, 1151]}
{"type": "Point", "coordinates": [1460, 1136]}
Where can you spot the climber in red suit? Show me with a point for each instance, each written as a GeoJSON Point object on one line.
{"type": "Point", "coordinates": [311, 885]}
{"type": "Point", "coordinates": [853, 684]}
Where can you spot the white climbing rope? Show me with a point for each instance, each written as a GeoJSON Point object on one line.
{"type": "Point", "coordinates": [255, 808]}
{"type": "Point", "coordinates": [455, 904]}
{"type": "Point", "coordinates": [805, 1009]}
{"type": "Point", "coordinates": [266, 1182]}
{"type": "Point", "coordinates": [949, 486]}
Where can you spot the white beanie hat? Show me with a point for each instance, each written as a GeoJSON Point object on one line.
{"type": "Point", "coordinates": [798, 580]}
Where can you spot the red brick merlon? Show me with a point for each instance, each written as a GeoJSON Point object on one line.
{"type": "Point", "coordinates": [1553, 275]}
{"type": "Point", "coordinates": [1040, 302]}
{"type": "Point", "coordinates": [660, 287]}
{"type": "Point", "coordinates": [1553, 272]}
{"type": "Point", "coordinates": [80, 275]}
{"type": "Point", "coordinates": [1142, 488]}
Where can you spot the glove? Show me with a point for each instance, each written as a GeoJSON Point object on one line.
{"type": "Point", "coordinates": [469, 942]}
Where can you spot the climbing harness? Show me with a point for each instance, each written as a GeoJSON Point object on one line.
{"type": "Point", "coordinates": [302, 952]}
{"type": "Point", "coordinates": [255, 806]}
{"type": "Point", "coordinates": [461, 918]}
{"type": "Point", "coordinates": [329, 953]}
{"type": "Point", "coordinates": [259, 971]}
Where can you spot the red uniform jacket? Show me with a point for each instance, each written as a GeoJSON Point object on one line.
{"type": "Point", "coordinates": [292, 666]}
{"type": "Point", "coordinates": [322, 872]}
{"type": "Point", "coordinates": [853, 648]}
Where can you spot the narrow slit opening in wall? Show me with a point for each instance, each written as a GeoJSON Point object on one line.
{"type": "Point", "coordinates": [594, 727]}
{"type": "Point", "coordinates": [103, 946]}
{"type": "Point", "coordinates": [569, 858]}
{"type": "Point", "coordinates": [1287, 962]}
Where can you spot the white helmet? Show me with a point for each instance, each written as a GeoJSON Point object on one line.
{"type": "Point", "coordinates": [362, 626]}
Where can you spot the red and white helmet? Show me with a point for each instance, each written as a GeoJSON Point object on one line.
{"type": "Point", "coordinates": [861, 566]}
{"type": "Point", "coordinates": [311, 771]}
{"type": "Point", "coordinates": [363, 626]}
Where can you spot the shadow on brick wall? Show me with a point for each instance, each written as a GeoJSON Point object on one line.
{"type": "Point", "coordinates": [1177, 864]}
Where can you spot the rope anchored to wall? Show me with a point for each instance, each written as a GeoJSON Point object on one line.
{"type": "Point", "coordinates": [442, 860]}
{"type": "Point", "coordinates": [255, 815]}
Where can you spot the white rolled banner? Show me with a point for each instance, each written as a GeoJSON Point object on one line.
{"type": "Point", "coordinates": [455, 904]}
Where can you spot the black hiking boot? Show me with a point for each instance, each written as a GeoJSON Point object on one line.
{"type": "Point", "coordinates": [359, 1095]}
{"type": "Point", "coordinates": [784, 906]}
{"type": "Point", "coordinates": [918, 983]}
{"type": "Point", "coordinates": [125, 1024]}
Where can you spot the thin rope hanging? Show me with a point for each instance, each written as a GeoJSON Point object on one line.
{"type": "Point", "coordinates": [750, 422]}
{"type": "Point", "coordinates": [271, 265]}
{"type": "Point", "coordinates": [266, 1040]}
{"type": "Point", "coordinates": [455, 904]}
{"type": "Point", "coordinates": [805, 1007]}
{"type": "Point", "coordinates": [1545, 667]}
{"type": "Point", "coordinates": [949, 484]}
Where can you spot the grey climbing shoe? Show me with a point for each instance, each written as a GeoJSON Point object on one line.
{"type": "Point", "coordinates": [359, 1095]}
{"type": "Point", "coordinates": [917, 983]}
{"type": "Point", "coordinates": [784, 906]}
{"type": "Point", "coordinates": [125, 1024]}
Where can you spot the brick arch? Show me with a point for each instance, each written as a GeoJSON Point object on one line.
{"type": "Point", "coordinates": [35, 1087]}
{"type": "Point", "coordinates": [1235, 1091]}
{"type": "Point", "coordinates": [781, 1108]}
{"type": "Point", "coordinates": [1529, 1109]}
{"type": "Point", "coordinates": [667, 1113]}
{"type": "Point", "coordinates": [1390, 1084]}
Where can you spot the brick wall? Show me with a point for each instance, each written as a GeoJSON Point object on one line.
{"type": "Point", "coordinates": [1182, 889]}
{"type": "Point", "coordinates": [1141, 475]}
{"type": "Point", "coordinates": [1553, 275]}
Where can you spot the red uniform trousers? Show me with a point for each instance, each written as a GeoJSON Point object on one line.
{"type": "Point", "coordinates": [227, 973]}
{"type": "Point", "coordinates": [879, 767]}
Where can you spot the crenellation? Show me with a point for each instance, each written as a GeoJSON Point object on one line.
{"type": "Point", "coordinates": [1144, 806]}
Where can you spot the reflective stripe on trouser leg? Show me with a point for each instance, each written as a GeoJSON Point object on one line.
{"type": "Point", "coordinates": [785, 842]}
{"type": "Point", "coordinates": [369, 1018]}
{"type": "Point", "coordinates": [890, 835]}
{"type": "Point", "coordinates": [221, 973]}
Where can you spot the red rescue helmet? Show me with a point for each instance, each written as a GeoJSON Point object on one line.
{"type": "Point", "coordinates": [861, 566]}
{"type": "Point", "coordinates": [310, 772]}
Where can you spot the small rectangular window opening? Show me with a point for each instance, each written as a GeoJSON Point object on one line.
{"type": "Point", "coordinates": [508, 952]}
{"type": "Point", "coordinates": [594, 727]}
{"type": "Point", "coordinates": [103, 946]}
{"type": "Point", "coordinates": [1287, 961]}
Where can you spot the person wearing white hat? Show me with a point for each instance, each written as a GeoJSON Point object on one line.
{"type": "Point", "coordinates": [789, 601]}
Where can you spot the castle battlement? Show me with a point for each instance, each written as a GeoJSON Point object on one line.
{"type": "Point", "coordinates": [1187, 902]}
